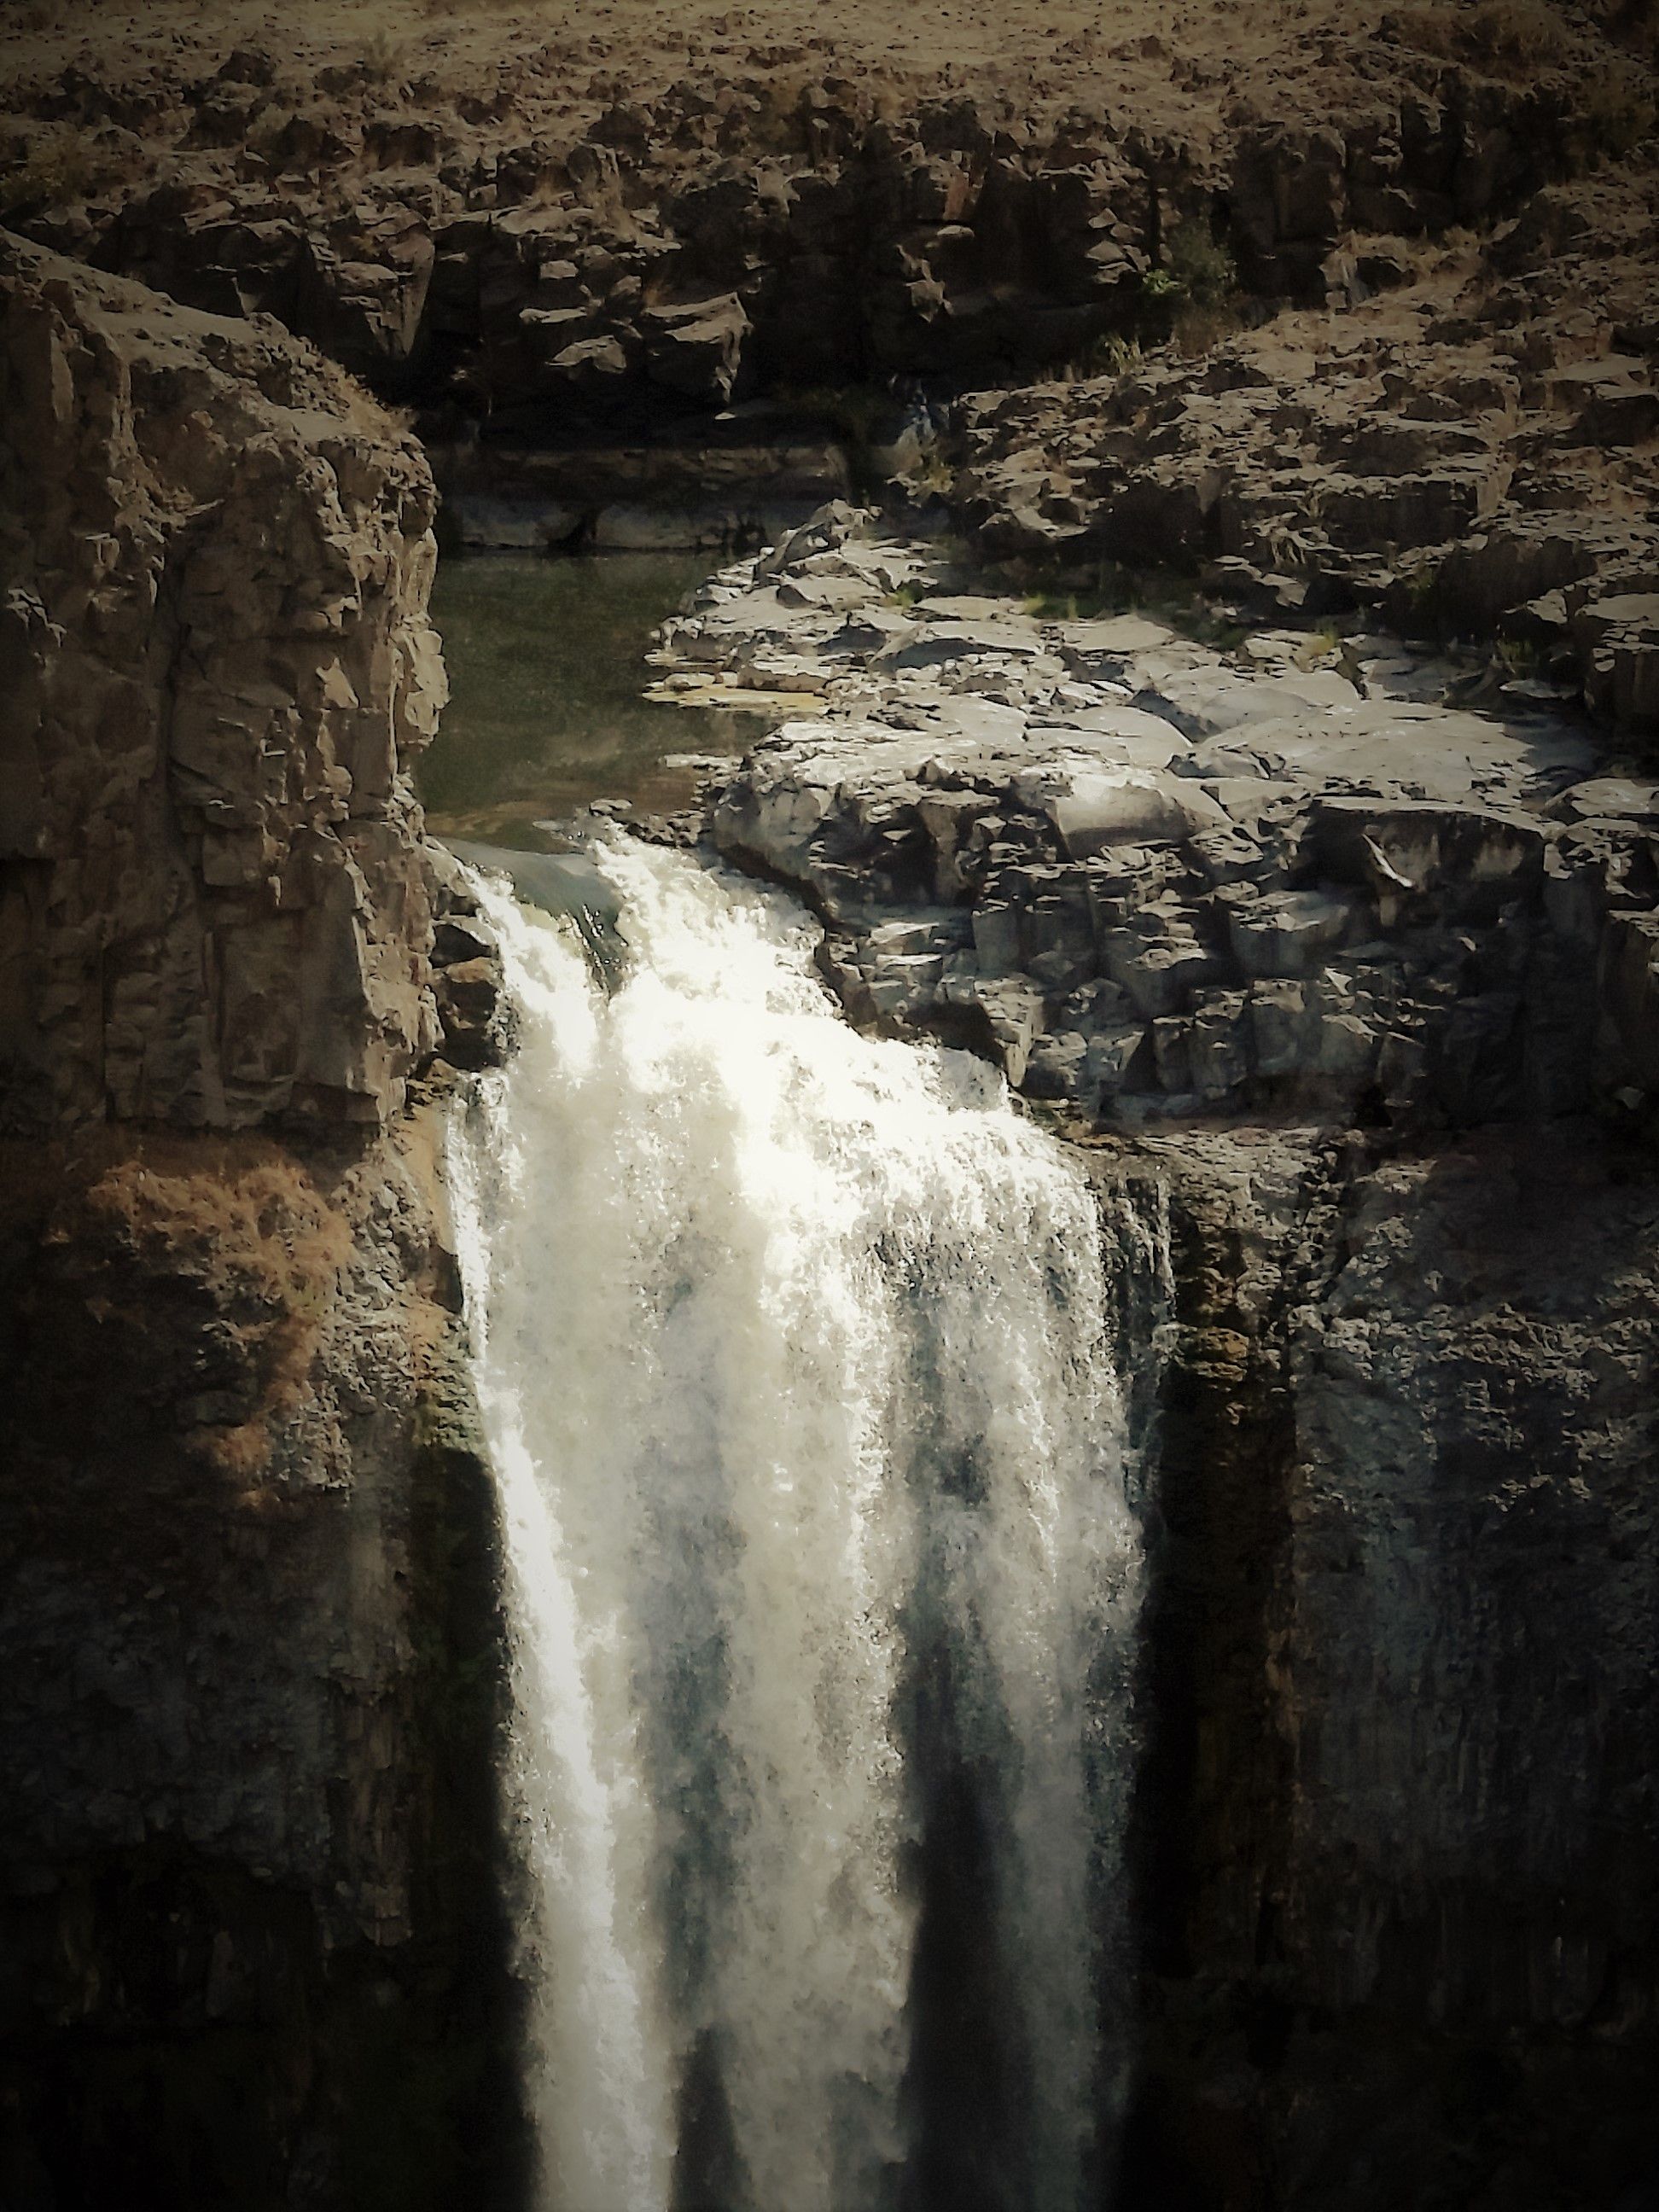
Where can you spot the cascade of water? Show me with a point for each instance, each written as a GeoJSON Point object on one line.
{"type": "Point", "coordinates": [792, 1348]}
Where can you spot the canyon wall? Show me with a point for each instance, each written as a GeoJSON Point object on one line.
{"type": "Point", "coordinates": [680, 284]}
{"type": "Point", "coordinates": [249, 1634]}
{"type": "Point", "coordinates": [1397, 1819]}
{"type": "Point", "coordinates": [1397, 1808]}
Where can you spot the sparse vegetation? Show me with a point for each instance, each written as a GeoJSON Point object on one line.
{"type": "Point", "coordinates": [1610, 119]}
{"type": "Point", "coordinates": [1319, 645]}
{"type": "Point", "coordinates": [932, 471]}
{"type": "Point", "coordinates": [383, 57]}
{"type": "Point", "coordinates": [245, 1223]}
{"type": "Point", "coordinates": [1517, 657]}
{"type": "Point", "coordinates": [1050, 606]}
{"type": "Point", "coordinates": [55, 171]}
{"type": "Point", "coordinates": [1107, 354]}
{"type": "Point", "coordinates": [1198, 281]}
{"type": "Point", "coordinates": [1512, 39]}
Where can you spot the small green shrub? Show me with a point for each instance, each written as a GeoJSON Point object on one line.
{"type": "Point", "coordinates": [1200, 265]}
{"type": "Point", "coordinates": [53, 173]}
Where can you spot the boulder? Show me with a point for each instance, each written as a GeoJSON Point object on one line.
{"type": "Point", "coordinates": [697, 349]}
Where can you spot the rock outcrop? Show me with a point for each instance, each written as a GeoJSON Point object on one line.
{"type": "Point", "coordinates": [1159, 880]}
{"type": "Point", "coordinates": [1481, 466]}
{"type": "Point", "coordinates": [249, 1641]}
{"type": "Point", "coordinates": [217, 666]}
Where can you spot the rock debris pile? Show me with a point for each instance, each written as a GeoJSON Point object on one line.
{"type": "Point", "coordinates": [1480, 466]}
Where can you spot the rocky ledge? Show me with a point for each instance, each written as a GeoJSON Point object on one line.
{"type": "Point", "coordinates": [1470, 452]}
{"type": "Point", "coordinates": [1159, 878]}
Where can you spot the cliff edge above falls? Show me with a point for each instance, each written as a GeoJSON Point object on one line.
{"type": "Point", "coordinates": [215, 664]}
{"type": "Point", "coordinates": [1159, 878]}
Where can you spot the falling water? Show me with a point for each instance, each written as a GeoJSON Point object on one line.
{"type": "Point", "coordinates": [793, 1355]}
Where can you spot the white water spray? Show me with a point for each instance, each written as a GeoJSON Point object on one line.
{"type": "Point", "coordinates": [793, 1356]}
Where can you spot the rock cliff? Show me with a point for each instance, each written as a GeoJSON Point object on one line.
{"type": "Point", "coordinates": [648, 281]}
{"type": "Point", "coordinates": [248, 1634]}
{"type": "Point", "coordinates": [217, 666]}
{"type": "Point", "coordinates": [1396, 1814]}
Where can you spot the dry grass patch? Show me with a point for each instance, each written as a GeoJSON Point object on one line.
{"type": "Point", "coordinates": [243, 1221]}
{"type": "Point", "coordinates": [1512, 39]}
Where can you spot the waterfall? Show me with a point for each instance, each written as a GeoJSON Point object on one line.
{"type": "Point", "coordinates": [794, 1354]}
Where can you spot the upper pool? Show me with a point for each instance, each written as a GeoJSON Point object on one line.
{"type": "Point", "coordinates": [546, 661]}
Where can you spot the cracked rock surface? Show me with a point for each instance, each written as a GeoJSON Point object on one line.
{"type": "Point", "coordinates": [1158, 880]}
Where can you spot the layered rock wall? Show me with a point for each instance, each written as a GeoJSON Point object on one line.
{"type": "Point", "coordinates": [1396, 1815]}
{"type": "Point", "coordinates": [217, 666]}
{"type": "Point", "coordinates": [799, 230]}
{"type": "Point", "coordinates": [249, 1637]}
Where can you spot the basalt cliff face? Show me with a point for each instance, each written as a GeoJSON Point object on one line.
{"type": "Point", "coordinates": [1397, 1813]}
{"type": "Point", "coordinates": [218, 663]}
{"type": "Point", "coordinates": [246, 1850]}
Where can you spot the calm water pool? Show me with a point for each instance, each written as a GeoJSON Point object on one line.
{"type": "Point", "coordinates": [546, 661]}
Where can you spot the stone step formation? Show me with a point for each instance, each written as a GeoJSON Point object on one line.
{"type": "Point", "coordinates": [1158, 880]}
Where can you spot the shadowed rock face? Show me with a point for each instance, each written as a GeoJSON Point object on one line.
{"type": "Point", "coordinates": [248, 1633]}
{"type": "Point", "coordinates": [1396, 1816]}
{"type": "Point", "coordinates": [216, 668]}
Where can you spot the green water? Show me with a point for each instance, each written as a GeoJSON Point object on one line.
{"type": "Point", "coordinates": [546, 661]}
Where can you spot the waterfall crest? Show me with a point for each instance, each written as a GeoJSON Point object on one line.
{"type": "Point", "coordinates": [793, 1350]}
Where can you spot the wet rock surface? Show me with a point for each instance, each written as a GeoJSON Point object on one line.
{"type": "Point", "coordinates": [1159, 880]}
